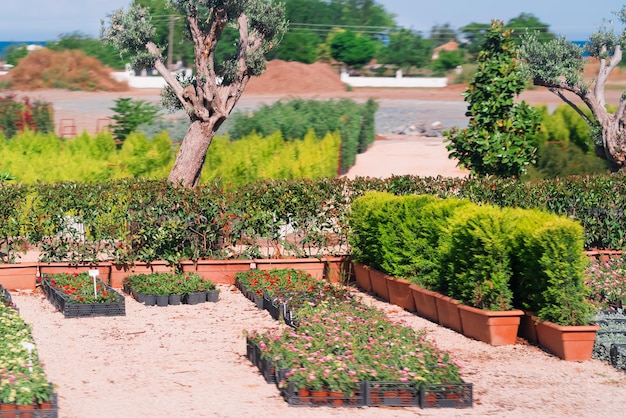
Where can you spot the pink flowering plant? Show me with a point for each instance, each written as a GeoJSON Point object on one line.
{"type": "Point", "coordinates": [606, 281]}
{"type": "Point", "coordinates": [22, 378]}
{"type": "Point", "coordinates": [339, 343]}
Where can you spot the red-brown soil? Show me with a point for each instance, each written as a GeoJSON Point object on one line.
{"type": "Point", "coordinates": [73, 70]}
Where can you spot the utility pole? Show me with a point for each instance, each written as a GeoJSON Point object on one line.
{"type": "Point", "coordinates": [170, 44]}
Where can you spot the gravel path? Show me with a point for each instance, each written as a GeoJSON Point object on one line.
{"type": "Point", "coordinates": [89, 111]}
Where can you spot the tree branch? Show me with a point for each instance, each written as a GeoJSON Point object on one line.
{"type": "Point", "coordinates": [165, 73]}
{"type": "Point", "coordinates": [229, 95]}
{"type": "Point", "coordinates": [589, 99]}
{"type": "Point", "coordinates": [605, 71]}
{"type": "Point", "coordinates": [571, 104]}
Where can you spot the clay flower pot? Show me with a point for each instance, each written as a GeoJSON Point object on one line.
{"type": "Point", "coordinates": [379, 284]}
{"type": "Point", "coordinates": [492, 327]}
{"type": "Point", "coordinates": [400, 293]}
{"type": "Point", "coordinates": [448, 312]}
{"type": "Point", "coordinates": [425, 302]}
{"type": "Point", "coordinates": [571, 343]}
{"type": "Point", "coordinates": [362, 277]}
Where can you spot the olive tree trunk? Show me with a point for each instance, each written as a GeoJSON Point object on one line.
{"type": "Point", "coordinates": [192, 153]}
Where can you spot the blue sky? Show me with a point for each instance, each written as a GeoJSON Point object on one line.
{"type": "Point", "coordinates": [42, 20]}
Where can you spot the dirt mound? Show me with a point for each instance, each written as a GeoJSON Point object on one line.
{"type": "Point", "coordinates": [71, 70]}
{"type": "Point", "coordinates": [284, 77]}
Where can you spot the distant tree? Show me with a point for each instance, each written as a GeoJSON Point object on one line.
{"type": "Point", "coordinates": [527, 22]}
{"type": "Point", "coordinates": [14, 53]}
{"type": "Point", "coordinates": [474, 33]}
{"type": "Point", "coordinates": [474, 36]}
{"type": "Point", "coordinates": [360, 13]}
{"type": "Point", "coordinates": [440, 34]}
{"type": "Point", "coordinates": [312, 21]}
{"type": "Point", "coordinates": [210, 94]}
{"type": "Point", "coordinates": [406, 49]}
{"type": "Point", "coordinates": [353, 49]}
{"type": "Point", "coordinates": [558, 65]}
{"type": "Point", "coordinates": [298, 46]}
{"type": "Point", "coordinates": [95, 48]}
{"type": "Point", "coordinates": [165, 17]}
{"type": "Point", "coordinates": [448, 60]}
{"type": "Point", "coordinates": [501, 137]}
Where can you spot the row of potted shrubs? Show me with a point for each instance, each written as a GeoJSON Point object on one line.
{"type": "Point", "coordinates": [484, 256]}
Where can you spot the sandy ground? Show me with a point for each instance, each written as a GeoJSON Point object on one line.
{"type": "Point", "coordinates": [189, 360]}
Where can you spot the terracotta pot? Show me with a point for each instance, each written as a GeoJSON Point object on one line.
{"type": "Point", "coordinates": [23, 411]}
{"type": "Point", "coordinates": [448, 312]}
{"type": "Point", "coordinates": [425, 302]}
{"type": "Point", "coordinates": [319, 397]}
{"type": "Point", "coordinates": [571, 343]}
{"type": "Point", "coordinates": [406, 397]}
{"type": "Point", "coordinates": [18, 276]}
{"type": "Point", "coordinates": [217, 271]}
{"type": "Point", "coordinates": [336, 398]}
{"type": "Point", "coordinates": [375, 397]}
{"type": "Point", "coordinates": [337, 269]}
{"type": "Point", "coordinates": [45, 405]}
{"type": "Point", "coordinates": [304, 395]}
{"type": "Point", "coordinates": [379, 284]}
{"type": "Point", "coordinates": [120, 271]}
{"type": "Point", "coordinates": [313, 266]}
{"type": "Point", "coordinates": [492, 327]}
{"type": "Point", "coordinates": [528, 328]}
{"type": "Point", "coordinates": [7, 410]}
{"type": "Point", "coordinates": [400, 293]}
{"type": "Point", "coordinates": [362, 277]}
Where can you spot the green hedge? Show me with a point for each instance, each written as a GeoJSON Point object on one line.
{"type": "Point", "coordinates": [484, 256]}
{"type": "Point", "coordinates": [354, 122]}
{"type": "Point", "coordinates": [317, 209]}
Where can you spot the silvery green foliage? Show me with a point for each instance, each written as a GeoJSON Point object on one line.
{"type": "Point", "coordinates": [602, 43]}
{"type": "Point", "coordinates": [129, 32]}
{"type": "Point", "coordinates": [554, 61]}
{"type": "Point", "coordinates": [168, 98]}
{"type": "Point", "coordinates": [612, 331]}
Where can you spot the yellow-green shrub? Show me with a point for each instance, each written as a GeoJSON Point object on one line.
{"type": "Point", "coordinates": [254, 157]}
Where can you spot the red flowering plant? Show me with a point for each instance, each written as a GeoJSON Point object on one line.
{"type": "Point", "coordinates": [276, 282]}
{"type": "Point", "coordinates": [79, 288]}
{"type": "Point", "coordinates": [162, 283]}
{"type": "Point", "coordinates": [18, 115]}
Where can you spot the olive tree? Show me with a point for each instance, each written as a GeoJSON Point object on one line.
{"type": "Point", "coordinates": [559, 65]}
{"type": "Point", "coordinates": [208, 95]}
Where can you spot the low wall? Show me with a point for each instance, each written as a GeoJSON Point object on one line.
{"type": "Point", "coordinates": [398, 81]}
{"type": "Point", "coordinates": [157, 82]}
{"type": "Point", "coordinates": [139, 82]}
